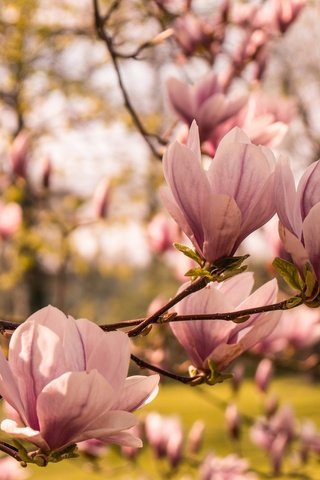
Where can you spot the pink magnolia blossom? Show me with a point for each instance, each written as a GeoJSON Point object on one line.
{"type": "Point", "coordinates": [101, 198]}
{"type": "Point", "coordinates": [205, 102]}
{"type": "Point", "coordinates": [19, 153]}
{"type": "Point", "coordinates": [67, 381]}
{"type": "Point", "coordinates": [10, 469]}
{"type": "Point", "coordinates": [228, 468]}
{"type": "Point", "coordinates": [298, 211]}
{"type": "Point", "coordinates": [221, 341]}
{"type": "Point", "coordinates": [165, 436]}
{"type": "Point", "coordinates": [219, 207]}
{"type": "Point", "coordinates": [264, 374]}
{"type": "Point", "coordinates": [263, 118]}
{"type": "Point", "coordinates": [10, 219]}
{"type": "Point", "coordinates": [275, 435]}
{"type": "Point", "coordinates": [233, 421]}
{"type": "Point", "coordinates": [195, 436]}
{"type": "Point", "coordinates": [162, 232]}
{"type": "Point", "coordinates": [297, 329]}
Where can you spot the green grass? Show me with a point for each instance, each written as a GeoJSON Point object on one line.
{"type": "Point", "coordinates": [192, 403]}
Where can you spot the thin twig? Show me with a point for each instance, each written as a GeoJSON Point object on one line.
{"type": "Point", "coordinates": [103, 35]}
{"type": "Point", "coordinates": [141, 363]}
{"type": "Point", "coordinates": [10, 450]}
{"type": "Point", "coordinates": [193, 287]}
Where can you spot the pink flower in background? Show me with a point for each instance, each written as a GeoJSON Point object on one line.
{"type": "Point", "coordinates": [10, 219]}
{"type": "Point", "coordinates": [18, 154]}
{"type": "Point", "coordinates": [264, 374]}
{"type": "Point", "coordinates": [233, 421]}
{"type": "Point", "coordinates": [298, 211]}
{"type": "Point", "coordinates": [264, 119]}
{"type": "Point", "coordinates": [204, 102]}
{"type": "Point", "coordinates": [67, 381]}
{"type": "Point", "coordinates": [219, 207]}
{"type": "Point", "coordinates": [221, 341]}
{"type": "Point", "coordinates": [228, 468]}
{"type": "Point", "coordinates": [297, 329]}
{"type": "Point", "coordinates": [195, 436]}
{"type": "Point", "coordinates": [275, 435]}
{"type": "Point", "coordinates": [10, 469]}
{"type": "Point", "coordinates": [165, 436]}
{"type": "Point", "coordinates": [162, 232]}
{"type": "Point", "coordinates": [93, 448]}
{"type": "Point", "coordinates": [101, 198]}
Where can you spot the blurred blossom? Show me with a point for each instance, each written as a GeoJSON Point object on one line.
{"type": "Point", "coordinates": [219, 207]}
{"type": "Point", "coordinates": [64, 396]}
{"type": "Point", "coordinates": [219, 342]}
{"type": "Point", "coordinates": [93, 448]}
{"type": "Point", "coordinates": [10, 219]}
{"type": "Point", "coordinates": [275, 435]}
{"type": "Point", "coordinates": [264, 374]}
{"type": "Point", "coordinates": [18, 154]}
{"type": "Point", "coordinates": [46, 173]}
{"type": "Point", "coordinates": [237, 377]}
{"type": "Point", "coordinates": [228, 468]}
{"type": "Point", "coordinates": [204, 102]}
{"type": "Point", "coordinates": [10, 469]}
{"type": "Point", "coordinates": [271, 405]}
{"type": "Point", "coordinates": [297, 329]}
{"type": "Point", "coordinates": [101, 198]}
{"type": "Point", "coordinates": [162, 232]}
{"type": "Point", "coordinates": [195, 436]}
{"type": "Point", "coordinates": [263, 118]}
{"type": "Point", "coordinates": [165, 436]}
{"type": "Point", "coordinates": [309, 438]}
{"type": "Point", "coordinates": [233, 421]}
{"type": "Point", "coordinates": [192, 32]}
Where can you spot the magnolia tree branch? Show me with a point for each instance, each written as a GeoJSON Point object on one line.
{"type": "Point", "coordinates": [100, 21]}
{"type": "Point", "coordinates": [194, 380]}
{"type": "Point", "coordinates": [161, 316]}
{"type": "Point", "coordinates": [12, 451]}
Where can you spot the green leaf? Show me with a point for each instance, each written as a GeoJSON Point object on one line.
{"type": "Point", "coordinates": [230, 263]}
{"type": "Point", "coordinates": [188, 252]}
{"type": "Point", "coordinates": [198, 272]}
{"type": "Point", "coordinates": [230, 273]}
{"type": "Point", "coordinates": [311, 283]}
{"type": "Point", "coordinates": [289, 272]}
{"type": "Point", "coordinates": [293, 302]}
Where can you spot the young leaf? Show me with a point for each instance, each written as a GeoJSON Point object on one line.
{"type": "Point", "coordinates": [188, 252]}
{"type": "Point", "coordinates": [289, 273]}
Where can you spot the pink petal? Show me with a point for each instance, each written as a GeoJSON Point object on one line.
{"type": "Point", "coordinates": [37, 354]}
{"type": "Point", "coordinates": [308, 189]}
{"type": "Point", "coordinates": [221, 221]}
{"type": "Point", "coordinates": [285, 193]}
{"type": "Point", "coordinates": [108, 353]}
{"type": "Point", "coordinates": [137, 391]}
{"type": "Point", "coordinates": [209, 114]}
{"type": "Point", "coordinates": [238, 287]}
{"type": "Point", "coordinates": [180, 98]}
{"type": "Point", "coordinates": [68, 406]}
{"type": "Point", "coordinates": [8, 387]}
{"type": "Point", "coordinates": [311, 235]}
{"type": "Point", "coordinates": [25, 433]}
{"type": "Point", "coordinates": [193, 141]}
{"type": "Point", "coordinates": [171, 205]}
{"type": "Point", "coordinates": [125, 439]}
{"type": "Point", "coordinates": [294, 247]}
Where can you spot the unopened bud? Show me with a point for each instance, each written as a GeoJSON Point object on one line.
{"type": "Point", "coordinates": [233, 419]}
{"type": "Point", "coordinates": [264, 374]}
{"type": "Point", "coordinates": [195, 436]}
{"type": "Point", "coordinates": [18, 154]}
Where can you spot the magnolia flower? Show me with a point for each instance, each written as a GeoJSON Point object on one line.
{"type": "Point", "coordinates": [10, 469]}
{"type": "Point", "coordinates": [298, 211]}
{"type": "Point", "coordinates": [221, 341]}
{"type": "Point", "coordinates": [67, 381]}
{"type": "Point", "coordinates": [18, 154]}
{"type": "Point", "coordinates": [10, 219]}
{"type": "Point", "coordinates": [205, 102]}
{"type": "Point", "coordinates": [275, 435]}
{"type": "Point", "coordinates": [165, 436]}
{"type": "Point", "coordinates": [298, 328]}
{"type": "Point", "coordinates": [217, 208]}
{"type": "Point", "coordinates": [264, 374]}
{"type": "Point", "coordinates": [228, 468]}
